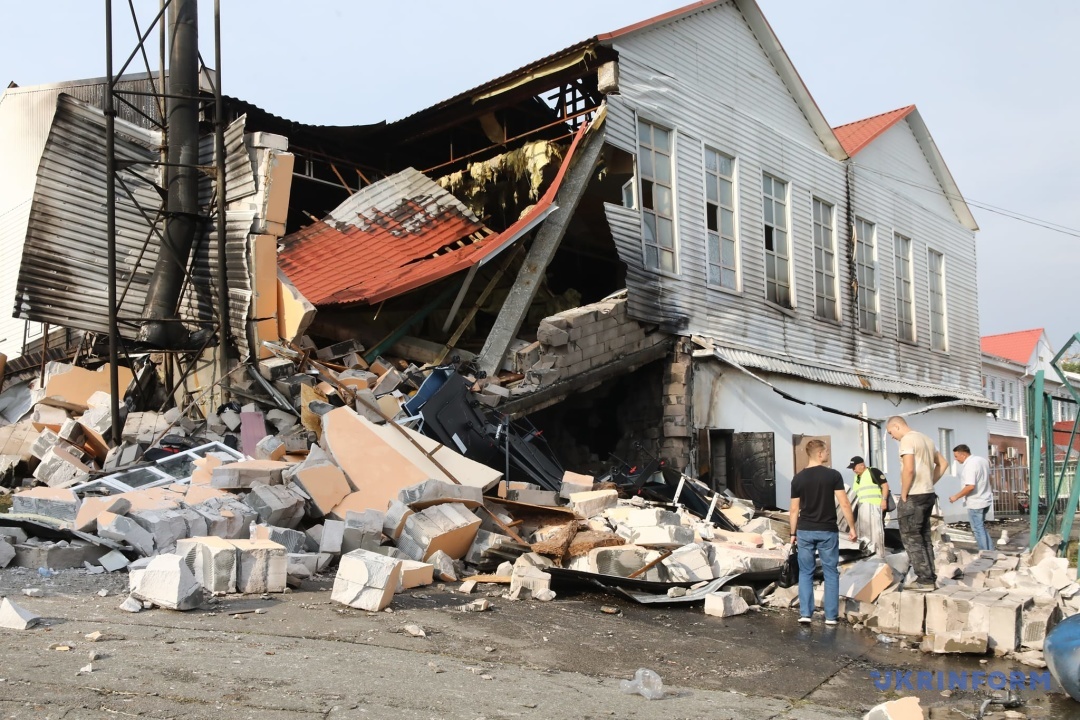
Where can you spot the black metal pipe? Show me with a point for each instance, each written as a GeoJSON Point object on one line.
{"type": "Point", "coordinates": [219, 143]}
{"type": "Point", "coordinates": [181, 179]}
{"type": "Point", "coordinates": [110, 228]}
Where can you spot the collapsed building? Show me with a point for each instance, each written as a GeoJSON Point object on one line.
{"type": "Point", "coordinates": [435, 335]}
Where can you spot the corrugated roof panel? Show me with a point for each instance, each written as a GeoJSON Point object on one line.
{"type": "Point", "coordinates": [854, 136]}
{"type": "Point", "coordinates": [844, 378]}
{"type": "Point", "coordinates": [396, 235]}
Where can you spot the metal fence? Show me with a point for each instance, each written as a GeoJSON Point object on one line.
{"type": "Point", "coordinates": [1009, 481]}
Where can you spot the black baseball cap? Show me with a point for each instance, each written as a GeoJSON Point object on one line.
{"type": "Point", "coordinates": [855, 461]}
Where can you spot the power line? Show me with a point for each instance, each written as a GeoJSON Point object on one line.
{"type": "Point", "coordinates": [1045, 224]}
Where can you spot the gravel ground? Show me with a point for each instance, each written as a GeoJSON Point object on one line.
{"type": "Point", "coordinates": [300, 655]}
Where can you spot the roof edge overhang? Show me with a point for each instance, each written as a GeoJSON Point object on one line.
{"type": "Point", "coordinates": [839, 377]}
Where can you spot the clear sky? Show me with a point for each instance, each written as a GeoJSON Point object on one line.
{"type": "Point", "coordinates": [994, 80]}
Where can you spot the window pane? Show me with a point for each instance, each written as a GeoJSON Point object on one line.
{"type": "Point", "coordinates": [661, 138]}
{"type": "Point", "coordinates": [663, 199]}
{"type": "Point", "coordinates": [711, 211]}
{"type": "Point", "coordinates": [647, 195]}
{"type": "Point", "coordinates": [727, 277]}
{"type": "Point", "coordinates": [714, 247]}
{"type": "Point", "coordinates": [728, 258]}
{"type": "Point", "coordinates": [644, 133]}
{"type": "Point", "coordinates": [727, 223]}
{"type": "Point", "coordinates": [667, 261]}
{"type": "Point", "coordinates": [651, 260]}
{"type": "Point", "coordinates": [726, 193]}
{"type": "Point", "coordinates": [780, 241]}
{"type": "Point", "coordinates": [714, 275]}
{"type": "Point", "coordinates": [726, 166]}
{"type": "Point", "coordinates": [645, 162]}
{"type": "Point", "coordinates": [712, 161]}
{"type": "Point", "coordinates": [663, 169]}
{"type": "Point", "coordinates": [650, 228]}
{"type": "Point", "coordinates": [664, 235]}
{"type": "Point", "coordinates": [711, 193]}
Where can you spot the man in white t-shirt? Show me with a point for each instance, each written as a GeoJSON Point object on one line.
{"type": "Point", "coordinates": [978, 498]}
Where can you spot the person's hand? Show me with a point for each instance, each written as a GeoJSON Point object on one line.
{"type": "Point", "coordinates": [952, 498]}
{"type": "Point", "coordinates": [903, 497]}
{"type": "Point", "coordinates": [852, 536]}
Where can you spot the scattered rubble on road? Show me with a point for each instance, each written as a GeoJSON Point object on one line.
{"type": "Point", "coordinates": [342, 480]}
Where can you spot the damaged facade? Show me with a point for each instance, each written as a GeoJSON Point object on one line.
{"type": "Point", "coordinates": [576, 324]}
{"type": "Point", "coordinates": [633, 252]}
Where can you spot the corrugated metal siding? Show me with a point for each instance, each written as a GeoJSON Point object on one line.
{"type": "Point", "coordinates": [707, 77]}
{"type": "Point", "coordinates": [63, 275]}
{"type": "Point", "coordinates": [903, 206]}
{"type": "Point", "coordinates": [26, 115]}
{"type": "Point", "coordinates": [843, 378]}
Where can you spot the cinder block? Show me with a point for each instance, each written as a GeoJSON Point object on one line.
{"type": "Point", "coordinates": [213, 562]}
{"type": "Point", "coordinates": [57, 503]}
{"type": "Point", "coordinates": [167, 582]}
{"type": "Point", "coordinates": [865, 580]}
{"type": "Point", "coordinates": [1038, 620]}
{"type": "Point", "coordinates": [662, 536]}
{"type": "Point", "coordinates": [724, 604]}
{"type": "Point", "coordinates": [366, 580]}
{"type": "Point", "coordinates": [594, 502]}
{"type": "Point", "coordinates": [276, 505]}
{"type": "Point", "coordinates": [1006, 623]}
{"type": "Point", "coordinates": [124, 529]}
{"type": "Point", "coordinates": [955, 642]}
{"type": "Point", "coordinates": [261, 566]}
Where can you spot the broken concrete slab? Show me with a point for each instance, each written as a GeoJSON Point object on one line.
{"type": "Point", "coordinates": [449, 527]}
{"type": "Point", "coordinates": [366, 580]}
{"type": "Point", "coordinates": [416, 574]}
{"type": "Point", "coordinates": [245, 473]}
{"type": "Point", "coordinates": [967, 642]}
{"type": "Point", "coordinates": [123, 529]}
{"type": "Point", "coordinates": [16, 617]}
{"type": "Point", "coordinates": [167, 582]}
{"type": "Point", "coordinates": [56, 555]}
{"type": "Point", "coordinates": [92, 507]}
{"type": "Point", "coordinates": [113, 560]}
{"type": "Point", "coordinates": [434, 492]}
{"type": "Point", "coordinates": [7, 554]}
{"type": "Point", "coordinates": [57, 503]}
{"type": "Point", "coordinates": [362, 530]}
{"type": "Point", "coordinates": [276, 505]}
{"type": "Point", "coordinates": [380, 461]}
{"type": "Point", "coordinates": [71, 387]}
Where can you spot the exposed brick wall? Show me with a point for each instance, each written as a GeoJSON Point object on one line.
{"type": "Point", "coordinates": [677, 436]}
{"type": "Point", "coordinates": [586, 337]}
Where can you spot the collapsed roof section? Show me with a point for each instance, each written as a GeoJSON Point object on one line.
{"type": "Point", "coordinates": [396, 235]}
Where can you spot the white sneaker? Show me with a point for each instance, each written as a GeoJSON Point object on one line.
{"type": "Point", "coordinates": [804, 620]}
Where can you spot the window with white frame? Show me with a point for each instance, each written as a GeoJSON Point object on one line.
{"type": "Point", "coordinates": [866, 274]}
{"type": "Point", "coordinates": [905, 288]}
{"type": "Point", "coordinates": [721, 249]}
{"type": "Point", "coordinates": [774, 193]}
{"type": "Point", "coordinates": [1009, 407]}
{"type": "Point", "coordinates": [946, 442]}
{"type": "Point", "coordinates": [938, 325]}
{"type": "Point", "coordinates": [825, 305]}
{"type": "Point", "coordinates": [656, 196]}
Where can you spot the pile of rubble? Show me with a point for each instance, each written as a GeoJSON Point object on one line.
{"type": "Point", "coordinates": [987, 601]}
{"type": "Point", "coordinates": [320, 479]}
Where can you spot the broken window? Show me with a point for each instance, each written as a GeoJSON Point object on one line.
{"type": "Point", "coordinates": [866, 274]}
{"type": "Point", "coordinates": [720, 219]}
{"type": "Point", "coordinates": [936, 265]}
{"type": "Point", "coordinates": [825, 305]}
{"type": "Point", "coordinates": [656, 196]}
{"type": "Point", "coordinates": [777, 248]}
{"type": "Point", "coordinates": [905, 293]}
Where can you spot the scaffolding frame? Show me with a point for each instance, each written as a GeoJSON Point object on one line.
{"type": "Point", "coordinates": [113, 96]}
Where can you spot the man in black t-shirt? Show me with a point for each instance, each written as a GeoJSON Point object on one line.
{"type": "Point", "coordinates": [815, 493]}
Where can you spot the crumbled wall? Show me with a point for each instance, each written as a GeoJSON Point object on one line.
{"type": "Point", "coordinates": [587, 337]}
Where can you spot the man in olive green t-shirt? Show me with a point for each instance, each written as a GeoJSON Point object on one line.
{"type": "Point", "coordinates": [921, 465]}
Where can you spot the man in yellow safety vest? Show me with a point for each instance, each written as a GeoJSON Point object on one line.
{"type": "Point", "coordinates": [871, 487]}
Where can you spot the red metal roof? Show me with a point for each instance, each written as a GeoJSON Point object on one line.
{"type": "Point", "coordinates": [396, 235]}
{"type": "Point", "coordinates": [857, 135]}
{"type": "Point", "coordinates": [1015, 346]}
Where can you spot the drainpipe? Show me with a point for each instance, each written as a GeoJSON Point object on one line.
{"type": "Point", "coordinates": [163, 328]}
